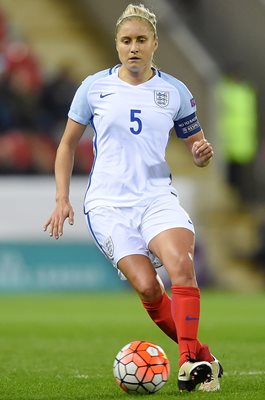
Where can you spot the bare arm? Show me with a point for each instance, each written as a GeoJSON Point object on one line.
{"type": "Point", "coordinates": [63, 171]}
{"type": "Point", "coordinates": [200, 148]}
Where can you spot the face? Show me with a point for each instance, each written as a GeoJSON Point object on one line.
{"type": "Point", "coordinates": [136, 44]}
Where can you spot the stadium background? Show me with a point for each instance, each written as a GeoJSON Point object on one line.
{"type": "Point", "coordinates": [48, 47]}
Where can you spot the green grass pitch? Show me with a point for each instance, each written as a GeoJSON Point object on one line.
{"type": "Point", "coordinates": [63, 346]}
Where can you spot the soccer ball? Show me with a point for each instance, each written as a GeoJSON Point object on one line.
{"type": "Point", "coordinates": [141, 367]}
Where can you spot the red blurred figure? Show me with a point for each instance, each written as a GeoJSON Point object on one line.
{"type": "Point", "coordinates": [19, 59]}
{"type": "Point", "coordinates": [15, 152]}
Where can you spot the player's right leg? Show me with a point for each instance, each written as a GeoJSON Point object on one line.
{"type": "Point", "coordinates": [160, 312]}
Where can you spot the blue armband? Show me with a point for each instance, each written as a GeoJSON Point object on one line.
{"type": "Point", "coordinates": [187, 126]}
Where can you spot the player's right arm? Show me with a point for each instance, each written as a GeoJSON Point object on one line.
{"type": "Point", "coordinates": [63, 171]}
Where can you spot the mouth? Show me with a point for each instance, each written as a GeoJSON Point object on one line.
{"type": "Point", "coordinates": [134, 59]}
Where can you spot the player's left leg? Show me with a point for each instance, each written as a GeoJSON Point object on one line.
{"type": "Point", "coordinates": [175, 248]}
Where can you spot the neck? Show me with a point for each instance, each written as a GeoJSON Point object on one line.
{"type": "Point", "coordinates": [135, 77]}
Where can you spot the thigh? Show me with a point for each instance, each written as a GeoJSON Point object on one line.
{"type": "Point", "coordinates": [169, 234]}
{"type": "Point", "coordinates": [173, 244]}
{"type": "Point", "coordinates": [115, 232]}
{"type": "Point", "coordinates": [164, 213]}
{"type": "Point", "coordinates": [175, 248]}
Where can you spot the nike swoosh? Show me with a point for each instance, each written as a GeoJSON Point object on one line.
{"type": "Point", "coordinates": [183, 374]}
{"type": "Point", "coordinates": [188, 318]}
{"type": "Point", "coordinates": [105, 95]}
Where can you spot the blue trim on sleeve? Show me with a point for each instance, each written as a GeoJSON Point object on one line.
{"type": "Point", "coordinates": [187, 126]}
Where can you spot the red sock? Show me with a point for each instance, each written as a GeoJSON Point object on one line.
{"type": "Point", "coordinates": [160, 312]}
{"type": "Point", "coordinates": [204, 353]}
{"type": "Point", "coordinates": [186, 314]}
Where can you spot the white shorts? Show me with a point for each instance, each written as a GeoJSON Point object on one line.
{"type": "Point", "coordinates": [123, 231]}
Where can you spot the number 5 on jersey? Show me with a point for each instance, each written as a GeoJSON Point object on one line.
{"type": "Point", "coordinates": [137, 127]}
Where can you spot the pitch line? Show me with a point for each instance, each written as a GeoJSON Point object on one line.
{"type": "Point", "coordinates": [234, 373]}
{"type": "Point", "coordinates": [244, 373]}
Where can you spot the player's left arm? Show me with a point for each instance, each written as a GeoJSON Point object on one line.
{"type": "Point", "coordinates": [187, 127]}
{"type": "Point", "coordinates": [201, 150]}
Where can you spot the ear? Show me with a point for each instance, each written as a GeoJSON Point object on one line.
{"type": "Point", "coordinates": [156, 44]}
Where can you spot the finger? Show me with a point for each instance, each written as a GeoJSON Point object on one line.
{"type": "Point", "coordinates": [206, 157]}
{"type": "Point", "coordinates": [51, 230]}
{"type": "Point", "coordinates": [205, 149]}
{"type": "Point", "coordinates": [71, 217]}
{"type": "Point", "coordinates": [60, 227]}
{"type": "Point", "coordinates": [199, 146]}
{"type": "Point", "coordinates": [45, 226]}
{"type": "Point", "coordinates": [58, 231]}
{"type": "Point", "coordinates": [201, 151]}
{"type": "Point", "coordinates": [54, 229]}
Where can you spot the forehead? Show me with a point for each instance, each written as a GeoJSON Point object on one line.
{"type": "Point", "coordinates": [135, 26]}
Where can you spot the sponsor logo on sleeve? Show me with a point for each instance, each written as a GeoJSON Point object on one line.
{"type": "Point", "coordinates": [192, 102]}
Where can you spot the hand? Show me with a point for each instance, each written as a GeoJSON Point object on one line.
{"type": "Point", "coordinates": [202, 152]}
{"type": "Point", "coordinates": [56, 221]}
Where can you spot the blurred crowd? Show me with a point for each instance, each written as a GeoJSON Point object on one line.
{"type": "Point", "coordinates": [33, 110]}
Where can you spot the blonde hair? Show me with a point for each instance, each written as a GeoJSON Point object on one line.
{"type": "Point", "coordinates": [137, 11]}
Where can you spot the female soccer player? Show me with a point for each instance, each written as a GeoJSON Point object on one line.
{"type": "Point", "coordinates": [131, 208]}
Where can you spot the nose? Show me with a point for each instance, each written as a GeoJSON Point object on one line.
{"type": "Point", "coordinates": [134, 47]}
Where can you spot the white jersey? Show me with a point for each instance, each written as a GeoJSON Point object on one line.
{"type": "Point", "coordinates": [132, 126]}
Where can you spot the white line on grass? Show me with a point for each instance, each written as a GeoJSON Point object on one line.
{"type": "Point", "coordinates": [234, 373]}
{"type": "Point", "coordinates": [244, 373]}
{"type": "Point", "coordinates": [81, 376]}
{"type": "Point", "coordinates": [85, 376]}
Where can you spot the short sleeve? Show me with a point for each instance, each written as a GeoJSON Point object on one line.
{"type": "Point", "coordinates": [79, 109]}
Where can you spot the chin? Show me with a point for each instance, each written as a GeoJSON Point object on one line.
{"type": "Point", "coordinates": [134, 68]}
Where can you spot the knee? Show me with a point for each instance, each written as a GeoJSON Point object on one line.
{"type": "Point", "coordinates": [181, 270]}
{"type": "Point", "coordinates": [149, 291]}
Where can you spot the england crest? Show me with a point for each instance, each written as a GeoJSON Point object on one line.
{"type": "Point", "coordinates": [161, 98]}
{"type": "Point", "coordinates": [109, 248]}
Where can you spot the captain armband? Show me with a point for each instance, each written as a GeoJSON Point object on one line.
{"type": "Point", "coordinates": [187, 126]}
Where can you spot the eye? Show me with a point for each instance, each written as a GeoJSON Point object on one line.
{"type": "Point", "coordinates": [125, 41]}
